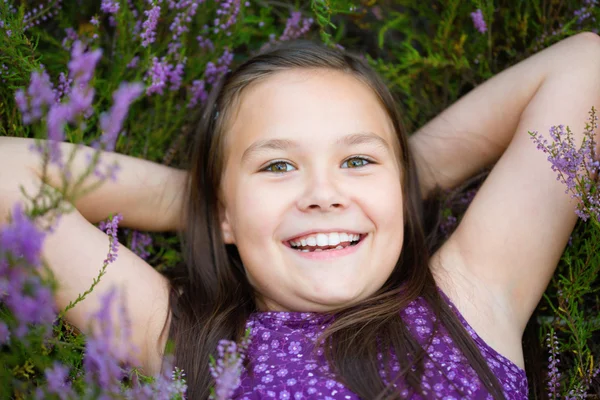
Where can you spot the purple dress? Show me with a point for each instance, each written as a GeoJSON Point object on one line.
{"type": "Point", "coordinates": [285, 366]}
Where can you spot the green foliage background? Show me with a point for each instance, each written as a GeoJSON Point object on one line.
{"type": "Point", "coordinates": [429, 52]}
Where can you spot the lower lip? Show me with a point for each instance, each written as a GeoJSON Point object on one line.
{"type": "Point", "coordinates": [330, 254]}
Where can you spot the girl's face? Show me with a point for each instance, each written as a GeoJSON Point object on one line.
{"type": "Point", "coordinates": [311, 162]}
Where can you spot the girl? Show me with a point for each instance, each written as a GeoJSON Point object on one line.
{"type": "Point", "coordinates": [303, 219]}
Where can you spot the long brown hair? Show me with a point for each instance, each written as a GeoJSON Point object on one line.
{"type": "Point", "coordinates": [211, 299]}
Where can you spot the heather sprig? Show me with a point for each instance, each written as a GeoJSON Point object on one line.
{"type": "Point", "coordinates": [149, 34]}
{"type": "Point", "coordinates": [553, 361]}
{"type": "Point", "coordinates": [22, 289]}
{"type": "Point", "coordinates": [57, 382]}
{"type": "Point", "coordinates": [110, 227]}
{"type": "Point", "coordinates": [40, 13]}
{"type": "Point", "coordinates": [40, 98]}
{"type": "Point", "coordinates": [296, 27]}
{"type": "Point", "coordinates": [108, 348]}
{"type": "Point", "coordinates": [186, 11]}
{"type": "Point", "coordinates": [140, 242]}
{"type": "Point", "coordinates": [227, 369]}
{"type": "Point", "coordinates": [479, 20]}
{"type": "Point", "coordinates": [227, 14]}
{"type": "Point", "coordinates": [576, 168]}
{"type": "Point", "coordinates": [112, 122]}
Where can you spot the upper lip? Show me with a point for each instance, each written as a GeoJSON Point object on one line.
{"type": "Point", "coordinates": [315, 231]}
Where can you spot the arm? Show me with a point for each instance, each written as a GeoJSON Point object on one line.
{"type": "Point", "coordinates": [147, 194]}
{"type": "Point", "coordinates": [500, 259]}
{"type": "Point", "coordinates": [76, 249]}
{"type": "Point", "coordinates": [475, 131]}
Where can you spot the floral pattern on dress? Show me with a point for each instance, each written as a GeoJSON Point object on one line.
{"type": "Point", "coordinates": [285, 364]}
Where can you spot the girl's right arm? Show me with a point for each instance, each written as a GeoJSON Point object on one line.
{"type": "Point", "coordinates": [75, 251]}
{"type": "Point", "coordinates": [147, 194]}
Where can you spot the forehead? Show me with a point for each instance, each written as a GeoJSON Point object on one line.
{"type": "Point", "coordinates": [307, 106]}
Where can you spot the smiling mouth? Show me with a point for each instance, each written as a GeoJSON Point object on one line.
{"type": "Point", "coordinates": [340, 246]}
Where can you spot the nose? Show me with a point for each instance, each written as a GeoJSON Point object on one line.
{"type": "Point", "coordinates": [323, 192]}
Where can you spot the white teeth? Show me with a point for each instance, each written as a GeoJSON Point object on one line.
{"type": "Point", "coordinates": [325, 239]}
{"type": "Point", "coordinates": [304, 251]}
{"type": "Point", "coordinates": [339, 247]}
{"type": "Point", "coordinates": [322, 239]}
{"type": "Point", "coordinates": [317, 250]}
{"type": "Point", "coordinates": [334, 239]}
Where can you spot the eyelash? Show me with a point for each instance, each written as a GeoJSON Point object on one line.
{"type": "Point", "coordinates": [265, 169]}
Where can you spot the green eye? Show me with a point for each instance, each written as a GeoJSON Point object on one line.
{"type": "Point", "coordinates": [356, 162]}
{"type": "Point", "coordinates": [278, 166]}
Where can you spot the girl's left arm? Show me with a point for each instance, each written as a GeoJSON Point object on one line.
{"type": "Point", "coordinates": [510, 240]}
{"type": "Point", "coordinates": [475, 131]}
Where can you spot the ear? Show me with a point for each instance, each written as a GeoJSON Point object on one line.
{"type": "Point", "coordinates": [226, 228]}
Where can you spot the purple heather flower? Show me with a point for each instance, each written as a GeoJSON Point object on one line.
{"type": "Point", "coordinates": [585, 12]}
{"type": "Point", "coordinates": [40, 94]}
{"type": "Point", "coordinates": [112, 122]}
{"type": "Point", "coordinates": [41, 13]}
{"type": "Point", "coordinates": [205, 43]}
{"type": "Point", "coordinates": [295, 26]}
{"type": "Point", "coordinates": [575, 168]}
{"type": "Point", "coordinates": [111, 227]}
{"type": "Point", "coordinates": [187, 10]}
{"type": "Point", "coordinates": [198, 93]}
{"type": "Point", "coordinates": [159, 76]}
{"type": "Point", "coordinates": [83, 63]}
{"type": "Point", "coordinates": [213, 73]}
{"type": "Point", "coordinates": [553, 374]}
{"type": "Point", "coordinates": [139, 243]}
{"type": "Point", "coordinates": [21, 237]}
{"type": "Point", "coordinates": [71, 37]}
{"type": "Point", "coordinates": [63, 88]}
{"type": "Point", "coordinates": [94, 21]}
{"type": "Point", "coordinates": [56, 120]}
{"type": "Point", "coordinates": [176, 75]}
{"type": "Point", "coordinates": [39, 91]}
{"type": "Point", "coordinates": [80, 101]}
{"type": "Point", "coordinates": [106, 347]}
{"type": "Point", "coordinates": [20, 287]}
{"type": "Point", "coordinates": [56, 378]}
{"type": "Point", "coordinates": [479, 21]}
{"type": "Point", "coordinates": [227, 369]}
{"type": "Point", "coordinates": [133, 63]}
{"type": "Point", "coordinates": [149, 34]}
{"type": "Point", "coordinates": [227, 14]}
{"type": "Point", "coordinates": [28, 299]}
{"type": "Point", "coordinates": [109, 6]}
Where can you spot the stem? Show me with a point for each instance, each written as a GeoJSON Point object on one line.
{"type": "Point", "coordinates": [83, 295]}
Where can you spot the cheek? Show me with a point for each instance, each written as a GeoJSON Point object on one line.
{"type": "Point", "coordinates": [384, 201]}
{"type": "Point", "coordinates": [258, 212]}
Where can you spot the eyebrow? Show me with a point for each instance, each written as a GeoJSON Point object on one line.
{"type": "Point", "coordinates": [352, 139]}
